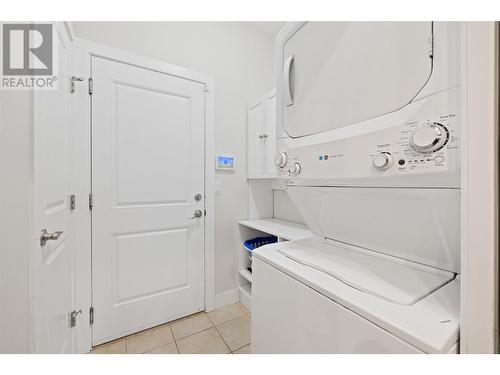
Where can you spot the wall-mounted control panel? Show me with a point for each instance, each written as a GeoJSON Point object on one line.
{"type": "Point", "coordinates": [422, 140]}
{"type": "Point", "coordinates": [224, 163]}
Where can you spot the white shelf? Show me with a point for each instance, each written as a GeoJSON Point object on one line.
{"type": "Point", "coordinates": [246, 274]}
{"type": "Point", "coordinates": [280, 228]}
{"type": "Point", "coordinates": [261, 177]}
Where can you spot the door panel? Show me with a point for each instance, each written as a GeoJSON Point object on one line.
{"type": "Point", "coordinates": [353, 71]}
{"type": "Point", "coordinates": [134, 184]}
{"type": "Point", "coordinates": [53, 266]}
{"type": "Point", "coordinates": [255, 143]}
{"type": "Point", "coordinates": [270, 131]}
{"type": "Point", "coordinates": [148, 164]}
{"type": "Point", "coordinates": [131, 260]}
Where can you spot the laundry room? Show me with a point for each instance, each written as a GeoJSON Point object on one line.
{"type": "Point", "coordinates": [199, 185]}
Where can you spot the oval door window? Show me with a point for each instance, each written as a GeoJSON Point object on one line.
{"type": "Point", "coordinates": [348, 72]}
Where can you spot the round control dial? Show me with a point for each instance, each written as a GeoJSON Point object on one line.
{"type": "Point", "coordinates": [295, 169]}
{"type": "Point", "coordinates": [280, 159]}
{"type": "Point", "coordinates": [382, 161]}
{"type": "Point", "coordinates": [429, 137]}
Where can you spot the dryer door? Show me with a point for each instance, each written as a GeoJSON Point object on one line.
{"type": "Point", "coordinates": [339, 73]}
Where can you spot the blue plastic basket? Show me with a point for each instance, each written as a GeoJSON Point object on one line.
{"type": "Point", "coordinates": [256, 242]}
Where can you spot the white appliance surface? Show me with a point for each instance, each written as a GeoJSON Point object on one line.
{"type": "Point", "coordinates": [391, 65]}
{"type": "Point", "coordinates": [393, 279]}
{"type": "Point", "coordinates": [325, 92]}
{"type": "Point", "coordinates": [431, 324]}
{"type": "Point", "coordinates": [421, 225]}
{"type": "Point", "coordinates": [372, 163]}
{"type": "Point", "coordinates": [289, 317]}
{"type": "Point", "coordinates": [345, 156]}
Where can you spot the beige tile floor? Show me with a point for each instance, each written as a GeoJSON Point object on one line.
{"type": "Point", "coordinates": [222, 331]}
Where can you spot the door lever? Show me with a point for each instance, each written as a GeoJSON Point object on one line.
{"type": "Point", "coordinates": [197, 214]}
{"type": "Point", "coordinates": [72, 85]}
{"type": "Point", "coordinates": [46, 236]}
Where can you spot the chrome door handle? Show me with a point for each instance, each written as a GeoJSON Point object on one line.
{"type": "Point", "coordinates": [197, 214]}
{"type": "Point", "coordinates": [46, 236]}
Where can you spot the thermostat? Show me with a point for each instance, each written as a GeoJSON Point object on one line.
{"type": "Point", "coordinates": [224, 163]}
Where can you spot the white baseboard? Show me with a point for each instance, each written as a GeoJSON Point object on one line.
{"type": "Point", "coordinates": [226, 298]}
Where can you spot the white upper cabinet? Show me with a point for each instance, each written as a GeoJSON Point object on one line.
{"type": "Point", "coordinates": [261, 136]}
{"type": "Point", "coordinates": [340, 73]}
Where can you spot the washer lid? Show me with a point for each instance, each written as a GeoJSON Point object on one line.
{"type": "Point", "coordinates": [416, 224]}
{"type": "Point", "coordinates": [396, 280]}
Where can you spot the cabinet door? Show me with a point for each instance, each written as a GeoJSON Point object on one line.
{"type": "Point", "coordinates": [270, 133]}
{"type": "Point", "coordinates": [255, 142]}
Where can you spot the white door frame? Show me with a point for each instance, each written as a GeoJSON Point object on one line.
{"type": "Point", "coordinates": [65, 37]}
{"type": "Point", "coordinates": [83, 52]}
{"type": "Point", "coordinates": [479, 284]}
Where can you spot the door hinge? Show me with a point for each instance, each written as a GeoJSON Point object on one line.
{"type": "Point", "coordinates": [72, 202]}
{"type": "Point", "coordinates": [91, 315]}
{"type": "Point", "coordinates": [91, 86]}
{"type": "Point", "coordinates": [431, 46]}
{"type": "Point", "coordinates": [91, 201]}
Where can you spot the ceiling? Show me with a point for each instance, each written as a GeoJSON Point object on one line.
{"type": "Point", "coordinates": [270, 28]}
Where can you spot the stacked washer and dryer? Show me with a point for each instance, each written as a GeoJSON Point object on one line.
{"type": "Point", "coordinates": [368, 149]}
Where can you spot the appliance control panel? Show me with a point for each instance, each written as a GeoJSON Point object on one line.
{"type": "Point", "coordinates": [423, 150]}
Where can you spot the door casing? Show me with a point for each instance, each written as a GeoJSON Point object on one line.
{"type": "Point", "coordinates": [83, 51]}
{"type": "Point", "coordinates": [64, 41]}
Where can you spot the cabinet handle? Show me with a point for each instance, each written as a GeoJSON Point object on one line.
{"type": "Point", "coordinates": [286, 81]}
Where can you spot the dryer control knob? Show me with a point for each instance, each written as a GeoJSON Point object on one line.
{"type": "Point", "coordinates": [295, 169]}
{"type": "Point", "coordinates": [280, 159]}
{"type": "Point", "coordinates": [382, 160]}
{"type": "Point", "coordinates": [429, 137]}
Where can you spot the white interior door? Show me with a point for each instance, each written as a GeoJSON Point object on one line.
{"type": "Point", "coordinates": [53, 262]}
{"type": "Point", "coordinates": [148, 165]}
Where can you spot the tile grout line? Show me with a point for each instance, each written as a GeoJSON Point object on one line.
{"type": "Point", "coordinates": [224, 341]}
{"type": "Point", "coordinates": [192, 334]}
{"type": "Point", "coordinates": [169, 324]}
{"type": "Point", "coordinates": [230, 320]}
{"type": "Point", "coordinates": [216, 329]}
{"type": "Point", "coordinates": [220, 334]}
{"type": "Point", "coordinates": [213, 326]}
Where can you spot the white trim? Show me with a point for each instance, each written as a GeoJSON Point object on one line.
{"type": "Point", "coordinates": [479, 291]}
{"type": "Point", "coordinates": [210, 195]}
{"type": "Point", "coordinates": [83, 52]}
{"type": "Point", "coordinates": [34, 287]}
{"type": "Point", "coordinates": [226, 298]}
{"type": "Point", "coordinates": [82, 185]}
{"type": "Point", "coordinates": [69, 30]}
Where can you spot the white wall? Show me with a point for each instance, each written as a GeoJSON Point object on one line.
{"type": "Point", "coordinates": [15, 219]}
{"type": "Point", "coordinates": [284, 208]}
{"type": "Point", "coordinates": [241, 61]}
